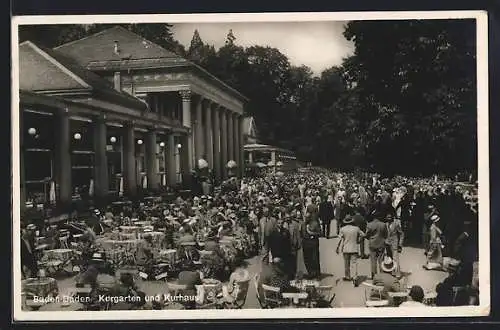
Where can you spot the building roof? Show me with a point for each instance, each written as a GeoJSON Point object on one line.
{"type": "Point", "coordinates": [97, 53]}
{"type": "Point", "coordinates": [100, 47]}
{"type": "Point", "coordinates": [47, 71]}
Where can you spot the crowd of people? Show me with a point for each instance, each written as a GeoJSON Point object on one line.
{"type": "Point", "coordinates": [281, 218]}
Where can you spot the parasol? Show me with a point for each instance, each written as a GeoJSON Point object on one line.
{"type": "Point", "coordinates": [260, 165]}
{"type": "Point", "coordinates": [279, 163]}
{"type": "Point", "coordinates": [231, 164]}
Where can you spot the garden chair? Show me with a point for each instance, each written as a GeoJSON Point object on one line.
{"type": "Point", "coordinates": [374, 296]}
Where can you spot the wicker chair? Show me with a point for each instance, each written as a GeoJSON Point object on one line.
{"type": "Point", "coordinates": [374, 296]}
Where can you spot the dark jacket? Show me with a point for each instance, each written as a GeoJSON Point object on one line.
{"type": "Point", "coordinates": [326, 211]}
{"type": "Point", "coordinates": [280, 243]}
{"type": "Point", "coordinates": [376, 233]}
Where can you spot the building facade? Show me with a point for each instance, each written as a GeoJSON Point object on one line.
{"type": "Point", "coordinates": [114, 113]}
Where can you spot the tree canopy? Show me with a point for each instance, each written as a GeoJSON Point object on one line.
{"type": "Point", "coordinates": [404, 102]}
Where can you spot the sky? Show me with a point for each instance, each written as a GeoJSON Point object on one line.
{"type": "Point", "coordinates": [319, 45]}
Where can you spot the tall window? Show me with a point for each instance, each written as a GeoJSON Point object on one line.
{"type": "Point", "coordinates": [38, 151]}
{"type": "Point", "coordinates": [160, 158]}
{"type": "Point", "coordinates": [82, 156]}
{"type": "Point", "coordinates": [114, 150]}
{"type": "Point", "coordinates": [140, 157]}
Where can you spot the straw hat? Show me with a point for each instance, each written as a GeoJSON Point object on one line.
{"type": "Point", "coordinates": [348, 219]}
{"type": "Point", "coordinates": [435, 218]}
{"type": "Point", "coordinates": [388, 265]}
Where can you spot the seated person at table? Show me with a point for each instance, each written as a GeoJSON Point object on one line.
{"type": "Point", "coordinates": [416, 297]}
{"type": "Point", "coordinates": [274, 274]}
{"type": "Point", "coordinates": [444, 290]}
{"type": "Point", "coordinates": [127, 294]}
{"type": "Point", "coordinates": [212, 242]}
{"type": "Point", "coordinates": [230, 291]}
{"type": "Point", "coordinates": [99, 284]}
{"type": "Point", "coordinates": [109, 214]}
{"type": "Point", "coordinates": [144, 254]}
{"type": "Point", "coordinates": [52, 237]}
{"type": "Point", "coordinates": [386, 279]}
{"type": "Point", "coordinates": [189, 277]}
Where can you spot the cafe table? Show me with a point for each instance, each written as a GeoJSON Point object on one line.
{"type": "Point", "coordinates": [295, 298]}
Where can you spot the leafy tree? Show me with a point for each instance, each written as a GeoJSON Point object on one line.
{"type": "Point", "coordinates": [199, 52]}
{"type": "Point", "coordinates": [418, 88]}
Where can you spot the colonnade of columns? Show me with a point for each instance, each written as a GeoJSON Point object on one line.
{"type": "Point", "coordinates": [215, 134]}
{"type": "Point", "coordinates": [218, 136]}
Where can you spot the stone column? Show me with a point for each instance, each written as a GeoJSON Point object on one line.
{"type": "Point", "coordinates": [186, 122]}
{"type": "Point", "coordinates": [101, 180]}
{"type": "Point", "coordinates": [151, 161]}
{"type": "Point", "coordinates": [241, 140]}
{"type": "Point", "coordinates": [63, 158]}
{"type": "Point", "coordinates": [217, 143]}
{"type": "Point", "coordinates": [171, 165]}
{"type": "Point", "coordinates": [223, 143]}
{"type": "Point", "coordinates": [236, 147]}
{"type": "Point", "coordinates": [199, 136]}
{"type": "Point", "coordinates": [129, 170]}
{"type": "Point", "coordinates": [209, 145]}
{"type": "Point", "coordinates": [231, 141]}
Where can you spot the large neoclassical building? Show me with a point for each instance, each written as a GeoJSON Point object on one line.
{"type": "Point", "coordinates": [114, 113]}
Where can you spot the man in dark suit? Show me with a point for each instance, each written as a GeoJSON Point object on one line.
{"type": "Point", "coordinates": [376, 233]}
{"type": "Point", "coordinates": [28, 258]}
{"type": "Point", "coordinates": [266, 227]}
{"type": "Point", "coordinates": [280, 245]}
{"type": "Point", "coordinates": [326, 216]}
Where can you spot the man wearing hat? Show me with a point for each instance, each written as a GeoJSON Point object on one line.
{"type": "Point", "coordinates": [348, 244]}
{"type": "Point", "coordinates": [386, 279]}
